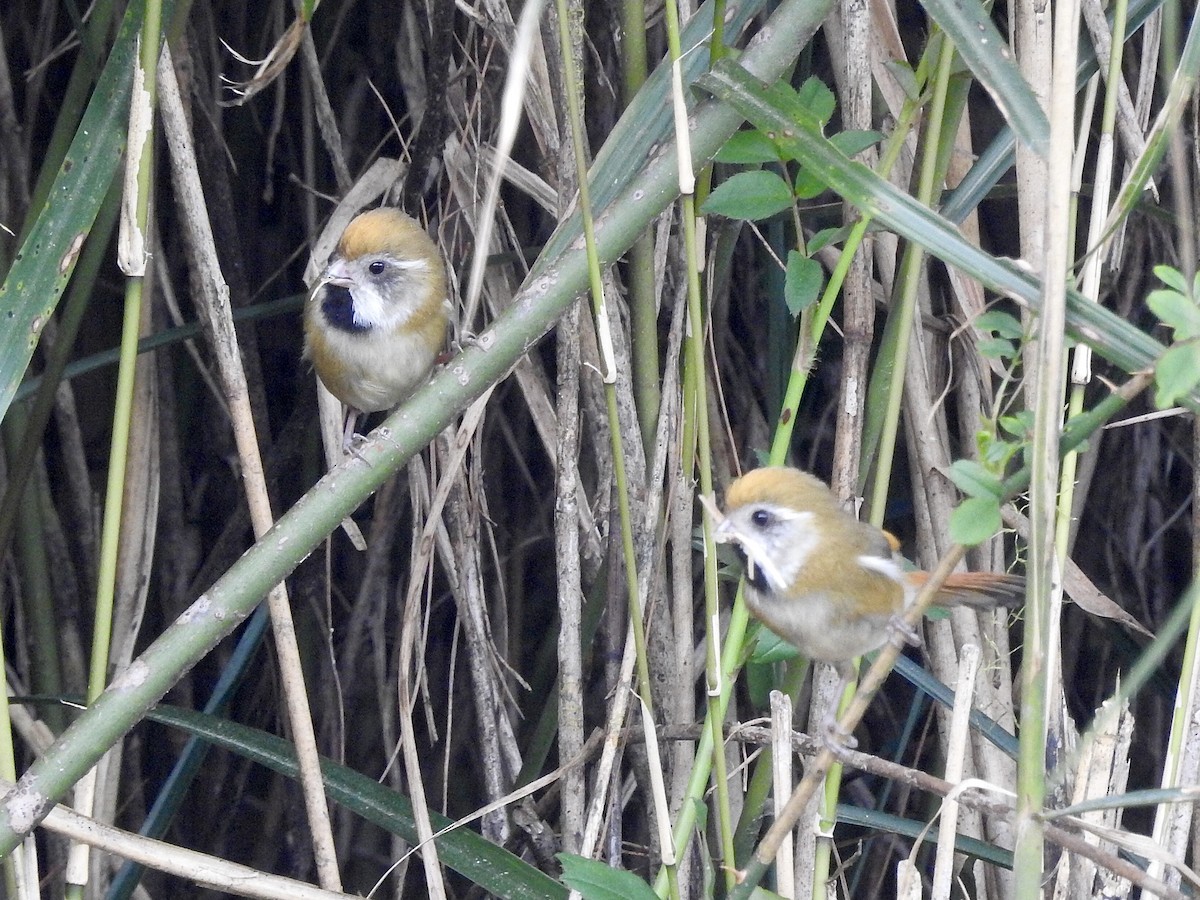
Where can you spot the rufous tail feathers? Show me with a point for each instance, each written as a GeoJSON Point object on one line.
{"type": "Point", "coordinates": [980, 590]}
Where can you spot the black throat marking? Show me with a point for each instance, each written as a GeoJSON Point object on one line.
{"type": "Point", "coordinates": [754, 574]}
{"type": "Point", "coordinates": [338, 307]}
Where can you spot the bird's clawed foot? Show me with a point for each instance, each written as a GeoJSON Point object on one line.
{"type": "Point", "coordinates": [839, 741]}
{"type": "Point", "coordinates": [901, 634]}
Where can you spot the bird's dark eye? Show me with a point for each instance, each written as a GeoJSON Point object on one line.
{"type": "Point", "coordinates": [376, 267]}
{"type": "Point", "coordinates": [761, 518]}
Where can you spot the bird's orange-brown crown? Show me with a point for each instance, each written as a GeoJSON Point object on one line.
{"type": "Point", "coordinates": [386, 230]}
{"type": "Point", "coordinates": [782, 486]}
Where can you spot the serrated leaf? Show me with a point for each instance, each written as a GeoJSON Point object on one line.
{"type": "Point", "coordinates": [802, 283]}
{"type": "Point", "coordinates": [1176, 310]}
{"type": "Point", "coordinates": [818, 99]}
{"type": "Point", "coordinates": [1177, 372]}
{"type": "Point", "coordinates": [749, 195]}
{"type": "Point", "coordinates": [999, 322]}
{"type": "Point", "coordinates": [974, 480]}
{"type": "Point", "coordinates": [748, 148]}
{"type": "Point", "coordinates": [596, 880]}
{"type": "Point", "coordinates": [1172, 278]}
{"type": "Point", "coordinates": [975, 520]}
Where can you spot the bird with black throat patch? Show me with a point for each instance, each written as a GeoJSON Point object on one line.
{"type": "Point", "coordinates": [375, 320]}
{"type": "Point", "coordinates": [830, 585]}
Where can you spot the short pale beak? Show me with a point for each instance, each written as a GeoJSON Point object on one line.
{"type": "Point", "coordinates": [337, 272]}
{"type": "Point", "coordinates": [723, 528]}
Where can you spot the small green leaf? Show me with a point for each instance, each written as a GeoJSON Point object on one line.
{"type": "Point", "coordinates": [975, 520]}
{"type": "Point", "coordinates": [1172, 278]}
{"type": "Point", "coordinates": [974, 480]}
{"type": "Point", "coordinates": [1019, 425]}
{"type": "Point", "coordinates": [771, 648]}
{"type": "Point", "coordinates": [854, 141]}
{"type": "Point", "coordinates": [749, 195]}
{"type": "Point", "coordinates": [818, 99]}
{"type": "Point", "coordinates": [1000, 323]}
{"type": "Point", "coordinates": [997, 348]}
{"type": "Point", "coordinates": [802, 283]}
{"type": "Point", "coordinates": [596, 880]}
{"type": "Point", "coordinates": [748, 148]}
{"type": "Point", "coordinates": [827, 236]}
{"type": "Point", "coordinates": [1176, 310]}
{"type": "Point", "coordinates": [759, 681]}
{"type": "Point", "coordinates": [905, 77]}
{"type": "Point", "coordinates": [1177, 372]}
{"type": "Point", "coordinates": [807, 185]}
{"type": "Point", "coordinates": [995, 453]}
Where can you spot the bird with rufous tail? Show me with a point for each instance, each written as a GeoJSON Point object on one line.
{"type": "Point", "coordinates": [830, 585]}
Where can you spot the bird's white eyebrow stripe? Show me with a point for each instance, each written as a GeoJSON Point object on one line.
{"type": "Point", "coordinates": [783, 512]}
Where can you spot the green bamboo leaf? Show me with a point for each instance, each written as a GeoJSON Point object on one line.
{"type": "Point", "coordinates": [1183, 83]}
{"type": "Point", "coordinates": [596, 880]}
{"type": "Point", "coordinates": [970, 28]}
{"type": "Point", "coordinates": [809, 185]}
{"type": "Point", "coordinates": [999, 156]}
{"type": "Point", "coordinates": [905, 77]}
{"type": "Point", "coordinates": [491, 867]}
{"type": "Point", "coordinates": [774, 109]}
{"type": "Point", "coordinates": [878, 821]}
{"type": "Point", "coordinates": [43, 266]}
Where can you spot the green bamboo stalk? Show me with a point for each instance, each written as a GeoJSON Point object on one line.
{"type": "Point", "coordinates": [643, 304]}
{"type": "Point", "coordinates": [1048, 367]}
